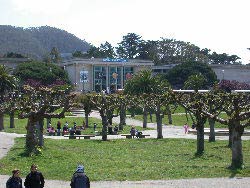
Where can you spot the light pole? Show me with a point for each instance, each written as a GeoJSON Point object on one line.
{"type": "Point", "coordinates": [223, 74]}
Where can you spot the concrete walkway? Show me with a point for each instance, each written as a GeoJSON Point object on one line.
{"type": "Point", "coordinates": [7, 141]}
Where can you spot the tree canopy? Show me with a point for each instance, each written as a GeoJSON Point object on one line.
{"type": "Point", "coordinates": [180, 73]}
{"type": "Point", "coordinates": [44, 73]}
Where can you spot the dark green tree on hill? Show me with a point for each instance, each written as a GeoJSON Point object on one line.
{"type": "Point", "coordinates": [55, 55]}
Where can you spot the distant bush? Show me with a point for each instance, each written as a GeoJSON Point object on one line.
{"type": "Point", "coordinates": [228, 85]}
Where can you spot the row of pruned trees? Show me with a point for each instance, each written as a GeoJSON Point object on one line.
{"type": "Point", "coordinates": [201, 106]}
{"type": "Point", "coordinates": [155, 95]}
{"type": "Point", "coordinates": [36, 103]}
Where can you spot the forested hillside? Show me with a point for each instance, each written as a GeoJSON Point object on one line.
{"type": "Point", "coordinates": [36, 42]}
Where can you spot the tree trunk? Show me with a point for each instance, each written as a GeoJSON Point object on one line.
{"type": "Point", "coordinates": [48, 122]}
{"type": "Point", "coordinates": [230, 138]}
{"type": "Point", "coordinates": [132, 110]}
{"type": "Point", "coordinates": [1, 121]}
{"type": "Point", "coordinates": [200, 138]}
{"type": "Point", "coordinates": [145, 118]}
{"type": "Point", "coordinates": [31, 140]}
{"type": "Point", "coordinates": [12, 121]}
{"type": "Point", "coordinates": [86, 120]}
{"type": "Point", "coordinates": [212, 132]}
{"type": "Point", "coordinates": [122, 117]}
{"type": "Point", "coordinates": [104, 125]}
{"type": "Point", "coordinates": [237, 154]}
{"type": "Point", "coordinates": [159, 123]}
{"type": "Point", "coordinates": [40, 125]}
{"type": "Point", "coordinates": [170, 121]}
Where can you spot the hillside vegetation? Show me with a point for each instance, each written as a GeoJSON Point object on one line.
{"type": "Point", "coordinates": [36, 42]}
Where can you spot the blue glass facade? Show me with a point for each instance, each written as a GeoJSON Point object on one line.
{"type": "Point", "coordinates": [112, 77]}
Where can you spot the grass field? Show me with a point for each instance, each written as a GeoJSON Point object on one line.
{"type": "Point", "coordinates": [180, 120]}
{"type": "Point", "coordinates": [133, 159]}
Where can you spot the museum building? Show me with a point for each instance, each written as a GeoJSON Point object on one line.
{"type": "Point", "coordinates": [107, 74]}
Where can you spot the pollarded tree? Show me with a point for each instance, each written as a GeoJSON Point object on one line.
{"type": "Point", "coordinates": [194, 103]}
{"type": "Point", "coordinates": [37, 104]}
{"type": "Point", "coordinates": [157, 103]}
{"type": "Point", "coordinates": [237, 108]}
{"type": "Point", "coordinates": [7, 83]}
{"type": "Point", "coordinates": [84, 100]}
{"type": "Point", "coordinates": [103, 103]}
{"type": "Point", "coordinates": [123, 101]}
{"type": "Point", "coordinates": [141, 83]}
{"type": "Point", "coordinates": [196, 82]}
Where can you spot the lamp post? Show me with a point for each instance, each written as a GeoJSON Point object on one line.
{"type": "Point", "coordinates": [223, 74]}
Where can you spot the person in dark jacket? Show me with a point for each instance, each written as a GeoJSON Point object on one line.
{"type": "Point", "coordinates": [14, 181]}
{"type": "Point", "coordinates": [79, 179]}
{"type": "Point", "coordinates": [34, 179]}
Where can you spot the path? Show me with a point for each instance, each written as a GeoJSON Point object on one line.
{"type": "Point", "coordinates": [7, 140]}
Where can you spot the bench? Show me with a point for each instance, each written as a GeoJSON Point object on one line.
{"type": "Point", "coordinates": [79, 136]}
{"type": "Point", "coordinates": [140, 136]}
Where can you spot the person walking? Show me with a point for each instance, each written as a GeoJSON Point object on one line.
{"type": "Point", "coordinates": [79, 178]}
{"type": "Point", "coordinates": [14, 181]}
{"type": "Point", "coordinates": [34, 179]}
{"type": "Point", "coordinates": [58, 126]}
{"type": "Point", "coordinates": [186, 127]}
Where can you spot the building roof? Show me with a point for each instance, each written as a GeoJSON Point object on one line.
{"type": "Point", "coordinates": [106, 61]}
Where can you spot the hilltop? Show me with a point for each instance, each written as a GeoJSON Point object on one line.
{"type": "Point", "coordinates": [36, 42]}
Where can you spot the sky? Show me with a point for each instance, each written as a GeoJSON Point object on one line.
{"type": "Point", "coordinates": [220, 25]}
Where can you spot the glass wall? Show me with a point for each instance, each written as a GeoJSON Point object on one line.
{"type": "Point", "coordinates": [128, 73]}
{"type": "Point", "coordinates": [112, 77]}
{"type": "Point", "coordinates": [99, 78]}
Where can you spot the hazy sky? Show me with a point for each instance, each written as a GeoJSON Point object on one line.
{"type": "Point", "coordinates": [220, 25]}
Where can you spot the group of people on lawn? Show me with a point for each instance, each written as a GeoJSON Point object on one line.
{"type": "Point", "coordinates": [65, 129]}
{"type": "Point", "coordinates": [76, 130]}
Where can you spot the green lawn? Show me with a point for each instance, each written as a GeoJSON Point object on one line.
{"type": "Point", "coordinates": [180, 120]}
{"type": "Point", "coordinates": [135, 159]}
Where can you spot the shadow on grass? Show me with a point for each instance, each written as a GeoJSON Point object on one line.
{"type": "Point", "coordinates": [235, 170]}
{"type": "Point", "coordinates": [197, 155]}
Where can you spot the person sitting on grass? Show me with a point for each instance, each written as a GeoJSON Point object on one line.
{"type": "Point", "coordinates": [78, 130]}
{"type": "Point", "coordinates": [138, 134]}
{"type": "Point", "coordinates": [72, 131]}
{"type": "Point", "coordinates": [65, 130]}
{"type": "Point", "coordinates": [52, 131]}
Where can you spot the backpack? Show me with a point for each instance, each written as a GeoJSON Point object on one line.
{"type": "Point", "coordinates": [80, 181]}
